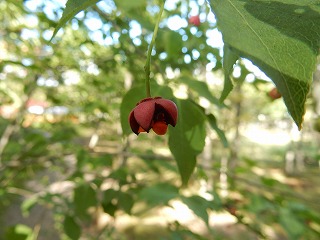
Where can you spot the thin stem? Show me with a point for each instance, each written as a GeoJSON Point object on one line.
{"type": "Point", "coordinates": [147, 66]}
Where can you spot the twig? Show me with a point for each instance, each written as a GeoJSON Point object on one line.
{"type": "Point", "coordinates": [15, 124]}
{"type": "Point", "coordinates": [148, 61]}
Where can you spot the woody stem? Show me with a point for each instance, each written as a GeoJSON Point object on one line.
{"type": "Point", "coordinates": [147, 66]}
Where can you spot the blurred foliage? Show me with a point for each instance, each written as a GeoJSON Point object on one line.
{"type": "Point", "coordinates": [66, 147]}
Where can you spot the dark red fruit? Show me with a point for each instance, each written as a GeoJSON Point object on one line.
{"type": "Point", "coordinates": [153, 113]}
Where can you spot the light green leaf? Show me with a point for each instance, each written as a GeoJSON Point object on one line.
{"type": "Point", "coordinates": [202, 89]}
{"type": "Point", "coordinates": [128, 5]}
{"type": "Point", "coordinates": [196, 136]}
{"type": "Point", "coordinates": [280, 37]}
{"type": "Point", "coordinates": [198, 205]}
{"type": "Point", "coordinates": [187, 139]}
{"type": "Point", "coordinates": [73, 7]}
{"type": "Point", "coordinates": [19, 232]}
{"type": "Point", "coordinates": [28, 204]}
{"type": "Point", "coordinates": [291, 224]}
{"type": "Point", "coordinates": [172, 43]}
{"type": "Point", "coordinates": [229, 59]}
{"type": "Point", "coordinates": [213, 123]}
{"type": "Point", "coordinates": [133, 96]}
{"type": "Point", "coordinates": [259, 204]}
{"type": "Point", "coordinates": [270, 182]}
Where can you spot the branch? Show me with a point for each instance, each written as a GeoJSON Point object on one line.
{"type": "Point", "coordinates": [15, 124]}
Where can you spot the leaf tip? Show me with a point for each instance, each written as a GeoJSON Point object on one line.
{"type": "Point", "coordinates": [54, 33]}
{"type": "Point", "coordinates": [300, 123]}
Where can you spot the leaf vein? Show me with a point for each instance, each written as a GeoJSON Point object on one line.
{"type": "Point", "coordinates": [269, 52]}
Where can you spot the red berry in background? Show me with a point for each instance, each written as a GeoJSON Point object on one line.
{"type": "Point", "coordinates": [194, 20]}
{"type": "Point", "coordinates": [274, 93]}
{"type": "Point", "coordinates": [153, 113]}
{"type": "Point", "coordinates": [232, 210]}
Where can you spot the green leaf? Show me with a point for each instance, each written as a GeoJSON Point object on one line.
{"type": "Point", "coordinates": [82, 158]}
{"type": "Point", "coordinates": [291, 224]}
{"type": "Point", "coordinates": [198, 205]}
{"type": "Point", "coordinates": [229, 59]}
{"type": "Point", "coordinates": [19, 232]}
{"type": "Point", "coordinates": [71, 228]}
{"type": "Point", "coordinates": [270, 182]}
{"type": "Point", "coordinates": [172, 43]}
{"type": "Point", "coordinates": [128, 5]}
{"type": "Point", "coordinates": [280, 37]}
{"type": "Point", "coordinates": [125, 202]}
{"type": "Point", "coordinates": [114, 200]}
{"type": "Point", "coordinates": [107, 202]}
{"type": "Point", "coordinates": [133, 96]}
{"type": "Point", "coordinates": [187, 139]}
{"type": "Point", "coordinates": [28, 204]}
{"type": "Point", "coordinates": [84, 197]}
{"type": "Point", "coordinates": [110, 208]}
{"type": "Point", "coordinates": [73, 7]}
{"type": "Point", "coordinates": [143, 20]}
{"type": "Point", "coordinates": [202, 89]}
{"type": "Point", "coordinates": [217, 204]}
{"type": "Point", "coordinates": [213, 123]}
{"type": "Point", "coordinates": [159, 194]}
{"type": "Point", "coordinates": [120, 174]}
{"type": "Point", "coordinates": [259, 204]}
{"type": "Point", "coordinates": [109, 195]}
